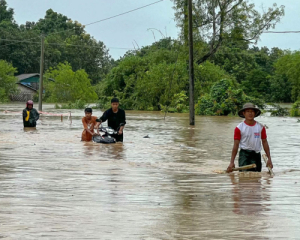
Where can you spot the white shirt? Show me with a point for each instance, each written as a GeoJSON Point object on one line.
{"type": "Point", "coordinates": [250, 136]}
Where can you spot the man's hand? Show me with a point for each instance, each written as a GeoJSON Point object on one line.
{"type": "Point", "coordinates": [230, 167]}
{"type": "Point", "coordinates": [269, 163]}
{"type": "Point", "coordinates": [120, 132]}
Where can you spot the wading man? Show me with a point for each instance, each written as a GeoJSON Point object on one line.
{"type": "Point", "coordinates": [30, 115]}
{"type": "Point", "coordinates": [250, 136]}
{"type": "Point", "coordinates": [116, 119]}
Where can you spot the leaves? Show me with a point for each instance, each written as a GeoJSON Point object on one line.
{"type": "Point", "coordinates": [7, 81]}
{"type": "Point", "coordinates": [68, 86]}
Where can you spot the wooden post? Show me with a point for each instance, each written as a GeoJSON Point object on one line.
{"type": "Point", "coordinates": [70, 118]}
{"type": "Point", "coordinates": [41, 73]}
{"type": "Point", "coordinates": [191, 65]}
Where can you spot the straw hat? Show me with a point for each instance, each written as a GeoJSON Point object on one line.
{"type": "Point", "coordinates": [249, 106]}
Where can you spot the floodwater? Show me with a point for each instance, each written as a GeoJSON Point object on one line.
{"type": "Point", "coordinates": [52, 186]}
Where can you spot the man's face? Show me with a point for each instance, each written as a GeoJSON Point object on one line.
{"type": "Point", "coordinates": [249, 114]}
{"type": "Point", "coordinates": [29, 106]}
{"type": "Point", "coordinates": [88, 115]}
{"type": "Point", "coordinates": [115, 105]}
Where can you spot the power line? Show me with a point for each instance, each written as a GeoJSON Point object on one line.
{"type": "Point", "coordinates": [16, 41]}
{"type": "Point", "coordinates": [281, 32]}
{"type": "Point", "coordinates": [102, 20]}
{"type": "Point", "coordinates": [59, 44]}
{"type": "Point", "coordinates": [105, 19]}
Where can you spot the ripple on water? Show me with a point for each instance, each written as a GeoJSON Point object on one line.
{"type": "Point", "coordinates": [164, 187]}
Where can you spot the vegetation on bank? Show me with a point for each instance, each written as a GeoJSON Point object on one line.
{"type": "Point", "coordinates": [229, 70]}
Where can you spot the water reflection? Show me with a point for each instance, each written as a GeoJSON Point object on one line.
{"type": "Point", "coordinates": [250, 193]}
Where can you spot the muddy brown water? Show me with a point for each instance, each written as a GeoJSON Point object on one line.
{"type": "Point", "coordinates": [52, 186]}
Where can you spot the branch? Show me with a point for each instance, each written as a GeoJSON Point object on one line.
{"type": "Point", "coordinates": [234, 6]}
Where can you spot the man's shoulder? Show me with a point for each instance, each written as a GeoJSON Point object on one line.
{"type": "Point", "coordinates": [240, 125]}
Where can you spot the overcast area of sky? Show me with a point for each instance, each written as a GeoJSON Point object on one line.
{"type": "Point", "coordinates": [124, 31]}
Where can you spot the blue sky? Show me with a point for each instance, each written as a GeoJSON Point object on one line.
{"type": "Point", "coordinates": [124, 31]}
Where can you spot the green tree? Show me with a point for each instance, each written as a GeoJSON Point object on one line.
{"type": "Point", "coordinates": [219, 22]}
{"type": "Point", "coordinates": [66, 40]}
{"type": "Point", "coordinates": [68, 86]}
{"type": "Point", "coordinates": [287, 67]}
{"type": "Point", "coordinates": [6, 14]}
{"type": "Point", "coordinates": [7, 81]}
{"type": "Point", "coordinates": [156, 77]}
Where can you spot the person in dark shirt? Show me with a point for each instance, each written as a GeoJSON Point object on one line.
{"type": "Point", "coordinates": [30, 115]}
{"type": "Point", "coordinates": [116, 119]}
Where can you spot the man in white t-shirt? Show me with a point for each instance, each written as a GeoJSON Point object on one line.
{"type": "Point", "coordinates": [250, 136]}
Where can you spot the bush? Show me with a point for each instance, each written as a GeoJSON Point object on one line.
{"type": "Point", "coordinates": [225, 98]}
{"type": "Point", "coordinates": [68, 86]}
{"type": "Point", "coordinates": [79, 104]}
{"type": "Point", "coordinates": [278, 111]}
{"type": "Point", "coordinates": [295, 111]}
{"type": "Point", "coordinates": [179, 103]}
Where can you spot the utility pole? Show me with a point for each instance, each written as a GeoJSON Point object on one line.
{"type": "Point", "coordinates": [191, 65]}
{"type": "Point", "coordinates": [41, 73]}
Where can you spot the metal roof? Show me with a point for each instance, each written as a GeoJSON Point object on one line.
{"type": "Point", "coordinates": [27, 86]}
{"type": "Point", "coordinates": [27, 75]}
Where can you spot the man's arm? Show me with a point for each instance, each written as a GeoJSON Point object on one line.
{"type": "Point", "coordinates": [233, 155]}
{"type": "Point", "coordinates": [122, 123]}
{"type": "Point", "coordinates": [101, 119]}
{"type": "Point", "coordinates": [267, 151]}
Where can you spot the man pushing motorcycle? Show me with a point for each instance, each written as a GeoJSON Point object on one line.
{"type": "Point", "coordinates": [116, 119]}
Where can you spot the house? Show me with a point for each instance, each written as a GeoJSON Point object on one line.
{"type": "Point", "coordinates": [27, 85]}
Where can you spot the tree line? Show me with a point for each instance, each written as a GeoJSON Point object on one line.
{"type": "Point", "coordinates": [229, 68]}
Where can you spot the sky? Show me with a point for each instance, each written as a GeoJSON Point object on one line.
{"type": "Point", "coordinates": [132, 29]}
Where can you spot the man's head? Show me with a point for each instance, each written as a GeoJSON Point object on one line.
{"type": "Point", "coordinates": [88, 113]}
{"type": "Point", "coordinates": [115, 104]}
{"type": "Point", "coordinates": [249, 111]}
{"type": "Point", "coordinates": [29, 104]}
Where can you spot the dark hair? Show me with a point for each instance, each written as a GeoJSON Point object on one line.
{"type": "Point", "coordinates": [114, 100]}
{"type": "Point", "coordinates": [88, 110]}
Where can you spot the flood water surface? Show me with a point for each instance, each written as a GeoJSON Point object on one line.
{"type": "Point", "coordinates": [53, 186]}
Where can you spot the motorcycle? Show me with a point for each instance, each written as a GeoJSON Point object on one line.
{"type": "Point", "coordinates": [106, 135]}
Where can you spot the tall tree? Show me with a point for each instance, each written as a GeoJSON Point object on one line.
{"type": "Point", "coordinates": [217, 22]}
{"type": "Point", "coordinates": [287, 67]}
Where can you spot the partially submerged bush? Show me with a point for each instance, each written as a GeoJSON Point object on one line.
{"type": "Point", "coordinates": [225, 98]}
{"type": "Point", "coordinates": [279, 111]}
{"type": "Point", "coordinates": [295, 111]}
{"type": "Point", "coordinates": [79, 104]}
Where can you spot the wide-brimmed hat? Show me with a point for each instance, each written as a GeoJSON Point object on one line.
{"type": "Point", "coordinates": [249, 106]}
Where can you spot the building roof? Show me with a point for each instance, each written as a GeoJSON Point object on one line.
{"type": "Point", "coordinates": [27, 86]}
{"type": "Point", "coordinates": [27, 75]}
{"type": "Point", "coordinates": [30, 78]}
